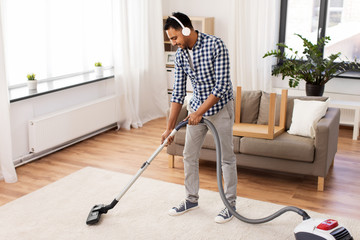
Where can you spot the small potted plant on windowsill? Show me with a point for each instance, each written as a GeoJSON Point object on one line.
{"type": "Point", "coordinates": [98, 69]}
{"type": "Point", "coordinates": [32, 82]}
{"type": "Point", "coordinates": [312, 67]}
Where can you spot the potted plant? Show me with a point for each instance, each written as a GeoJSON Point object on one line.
{"type": "Point", "coordinates": [32, 82]}
{"type": "Point", "coordinates": [98, 69]}
{"type": "Point", "coordinates": [312, 67]}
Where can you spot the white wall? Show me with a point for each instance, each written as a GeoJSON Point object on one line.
{"type": "Point", "coordinates": [23, 111]}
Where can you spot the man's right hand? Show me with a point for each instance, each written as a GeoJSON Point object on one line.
{"type": "Point", "coordinates": [165, 135]}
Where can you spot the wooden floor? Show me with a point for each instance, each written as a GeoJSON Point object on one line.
{"type": "Point", "coordinates": [125, 151]}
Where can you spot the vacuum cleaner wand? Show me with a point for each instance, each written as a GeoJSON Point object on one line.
{"type": "Point", "coordinates": [97, 210]}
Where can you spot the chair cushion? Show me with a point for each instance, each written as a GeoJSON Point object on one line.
{"type": "Point", "coordinates": [285, 146]}
{"type": "Point", "coordinates": [208, 142]}
{"type": "Point", "coordinates": [250, 102]}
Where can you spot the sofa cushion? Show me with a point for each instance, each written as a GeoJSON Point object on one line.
{"type": "Point", "coordinates": [250, 102]}
{"type": "Point", "coordinates": [263, 117]}
{"type": "Point", "coordinates": [285, 146]}
{"type": "Point", "coordinates": [208, 142]}
{"type": "Point", "coordinates": [306, 114]}
{"type": "Point", "coordinates": [264, 107]}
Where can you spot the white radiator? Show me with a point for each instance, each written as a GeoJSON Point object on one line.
{"type": "Point", "coordinates": [60, 127]}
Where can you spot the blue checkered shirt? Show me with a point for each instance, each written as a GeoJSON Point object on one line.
{"type": "Point", "coordinates": [211, 73]}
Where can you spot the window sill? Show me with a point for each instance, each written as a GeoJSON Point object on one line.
{"type": "Point", "coordinates": [350, 74]}
{"type": "Point", "coordinates": [46, 87]}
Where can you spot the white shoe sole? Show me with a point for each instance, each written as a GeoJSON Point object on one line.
{"type": "Point", "coordinates": [221, 220]}
{"type": "Point", "coordinates": [172, 212]}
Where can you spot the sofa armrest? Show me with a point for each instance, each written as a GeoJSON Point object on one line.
{"type": "Point", "coordinates": [326, 140]}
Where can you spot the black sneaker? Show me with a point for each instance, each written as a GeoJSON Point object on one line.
{"type": "Point", "coordinates": [183, 207]}
{"type": "Point", "coordinates": [224, 216]}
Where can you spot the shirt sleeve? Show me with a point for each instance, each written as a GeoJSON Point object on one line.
{"type": "Point", "coordinates": [179, 88]}
{"type": "Point", "coordinates": [222, 69]}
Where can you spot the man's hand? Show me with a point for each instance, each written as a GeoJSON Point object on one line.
{"type": "Point", "coordinates": [193, 118]}
{"type": "Point", "coordinates": [165, 135]}
{"type": "Point", "coordinates": [174, 113]}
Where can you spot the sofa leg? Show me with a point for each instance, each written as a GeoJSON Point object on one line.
{"type": "Point", "coordinates": [171, 159]}
{"type": "Point", "coordinates": [321, 182]}
{"type": "Point", "coordinates": [332, 163]}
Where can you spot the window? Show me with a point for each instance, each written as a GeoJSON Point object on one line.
{"type": "Point", "coordinates": [313, 19]}
{"type": "Point", "coordinates": [343, 26]}
{"type": "Point", "coordinates": [302, 18]}
{"type": "Point", "coordinates": [54, 38]}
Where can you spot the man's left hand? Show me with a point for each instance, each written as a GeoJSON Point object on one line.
{"type": "Point", "coordinates": [193, 118]}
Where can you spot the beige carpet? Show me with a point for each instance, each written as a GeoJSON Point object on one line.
{"type": "Point", "coordinates": [59, 211]}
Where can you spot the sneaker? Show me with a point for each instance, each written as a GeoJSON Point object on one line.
{"type": "Point", "coordinates": [183, 207]}
{"type": "Point", "coordinates": [224, 216]}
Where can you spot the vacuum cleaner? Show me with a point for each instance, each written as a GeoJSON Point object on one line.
{"type": "Point", "coordinates": [309, 229]}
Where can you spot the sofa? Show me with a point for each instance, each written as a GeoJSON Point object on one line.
{"type": "Point", "coordinates": [287, 152]}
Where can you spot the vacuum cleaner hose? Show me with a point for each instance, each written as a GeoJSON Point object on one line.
{"type": "Point", "coordinates": [221, 189]}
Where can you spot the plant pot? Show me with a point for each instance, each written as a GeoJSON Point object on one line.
{"type": "Point", "coordinates": [99, 72]}
{"type": "Point", "coordinates": [32, 84]}
{"type": "Point", "coordinates": [314, 90]}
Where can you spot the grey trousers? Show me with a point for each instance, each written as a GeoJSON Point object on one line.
{"type": "Point", "coordinates": [195, 135]}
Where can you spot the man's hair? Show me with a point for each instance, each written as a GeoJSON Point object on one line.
{"type": "Point", "coordinates": [172, 23]}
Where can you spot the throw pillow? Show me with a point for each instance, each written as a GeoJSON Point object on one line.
{"type": "Point", "coordinates": [305, 116]}
{"type": "Point", "coordinates": [250, 102]}
{"type": "Point", "coordinates": [263, 118]}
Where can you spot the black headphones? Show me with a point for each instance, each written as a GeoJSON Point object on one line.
{"type": "Point", "coordinates": [185, 30]}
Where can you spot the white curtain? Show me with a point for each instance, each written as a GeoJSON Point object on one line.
{"type": "Point", "coordinates": [139, 66]}
{"type": "Point", "coordinates": [7, 169]}
{"type": "Point", "coordinates": [255, 30]}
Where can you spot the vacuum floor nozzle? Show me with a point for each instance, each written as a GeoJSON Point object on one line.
{"type": "Point", "coordinates": [95, 214]}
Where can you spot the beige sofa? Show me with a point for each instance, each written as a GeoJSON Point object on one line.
{"type": "Point", "coordinates": [285, 153]}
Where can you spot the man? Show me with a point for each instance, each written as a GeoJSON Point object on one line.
{"type": "Point", "coordinates": [204, 60]}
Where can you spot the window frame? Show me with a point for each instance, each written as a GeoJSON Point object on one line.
{"type": "Point", "coordinates": [321, 30]}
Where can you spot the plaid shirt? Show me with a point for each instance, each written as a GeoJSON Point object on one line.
{"type": "Point", "coordinates": [211, 73]}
